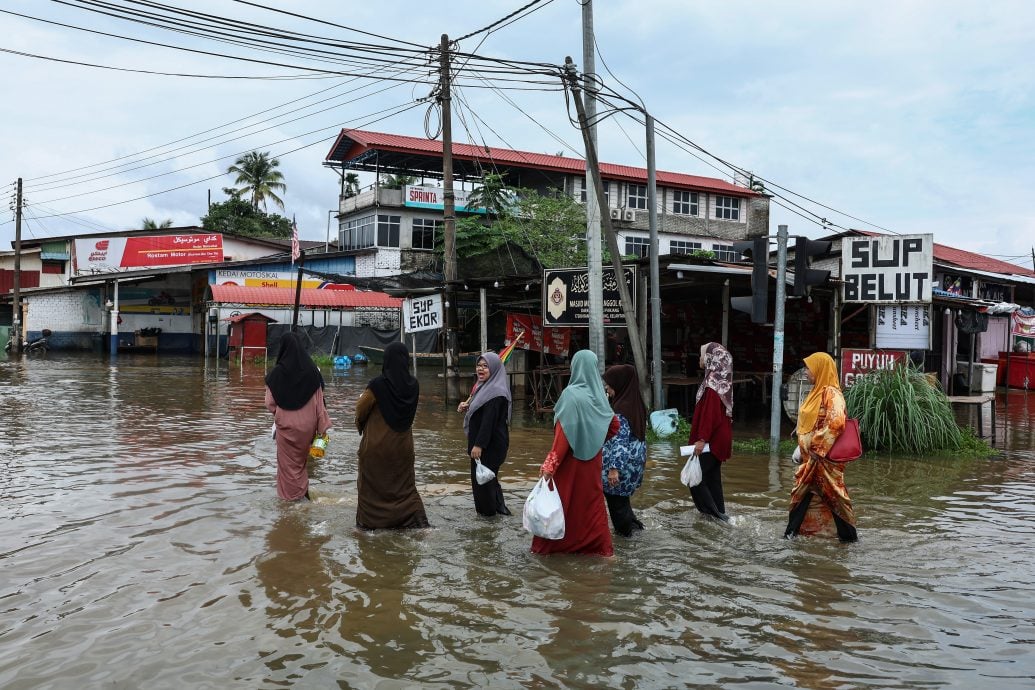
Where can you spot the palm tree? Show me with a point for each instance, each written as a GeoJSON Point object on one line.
{"type": "Point", "coordinates": [397, 181]}
{"type": "Point", "coordinates": [492, 195]}
{"type": "Point", "coordinates": [257, 174]}
{"type": "Point", "coordinates": [151, 224]}
{"type": "Point", "coordinates": [351, 184]}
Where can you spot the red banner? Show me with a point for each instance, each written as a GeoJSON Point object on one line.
{"type": "Point", "coordinates": [172, 250]}
{"type": "Point", "coordinates": [553, 341]}
{"type": "Point", "coordinates": [855, 363]}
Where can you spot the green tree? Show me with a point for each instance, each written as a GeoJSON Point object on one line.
{"type": "Point", "coordinates": [549, 227]}
{"type": "Point", "coordinates": [492, 195]}
{"type": "Point", "coordinates": [351, 184]}
{"type": "Point", "coordinates": [236, 216]}
{"type": "Point", "coordinates": [258, 178]}
{"type": "Point", "coordinates": [152, 224]}
{"type": "Point", "coordinates": [397, 181]}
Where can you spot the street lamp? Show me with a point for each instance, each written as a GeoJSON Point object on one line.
{"type": "Point", "coordinates": [327, 242]}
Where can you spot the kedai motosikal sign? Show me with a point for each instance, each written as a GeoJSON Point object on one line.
{"type": "Point", "coordinates": [887, 268]}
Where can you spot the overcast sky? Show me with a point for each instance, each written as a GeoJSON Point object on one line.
{"type": "Point", "coordinates": [894, 115]}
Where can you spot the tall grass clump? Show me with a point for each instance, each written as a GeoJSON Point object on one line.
{"type": "Point", "coordinates": [901, 410]}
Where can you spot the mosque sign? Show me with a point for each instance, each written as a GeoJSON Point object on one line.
{"type": "Point", "coordinates": [566, 296]}
{"type": "Point", "coordinates": [887, 268]}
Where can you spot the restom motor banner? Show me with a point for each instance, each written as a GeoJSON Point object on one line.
{"type": "Point", "coordinates": [113, 254]}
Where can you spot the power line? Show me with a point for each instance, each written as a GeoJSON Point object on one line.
{"type": "Point", "coordinates": [501, 20]}
{"type": "Point", "coordinates": [399, 110]}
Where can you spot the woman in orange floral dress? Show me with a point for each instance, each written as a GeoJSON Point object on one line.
{"type": "Point", "coordinates": [819, 497]}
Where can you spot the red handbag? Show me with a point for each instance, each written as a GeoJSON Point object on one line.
{"type": "Point", "coordinates": [848, 445]}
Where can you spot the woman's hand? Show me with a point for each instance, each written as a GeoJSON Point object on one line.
{"type": "Point", "coordinates": [476, 453]}
{"type": "Point", "coordinates": [612, 477]}
{"type": "Point", "coordinates": [545, 475]}
{"type": "Point", "coordinates": [698, 448]}
{"type": "Point", "coordinates": [462, 407]}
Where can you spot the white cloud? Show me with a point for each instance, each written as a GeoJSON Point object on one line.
{"type": "Point", "coordinates": [913, 116]}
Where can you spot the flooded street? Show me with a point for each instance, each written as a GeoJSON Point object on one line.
{"type": "Point", "coordinates": [142, 545]}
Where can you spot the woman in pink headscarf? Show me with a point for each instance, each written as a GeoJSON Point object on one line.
{"type": "Point", "coordinates": [711, 430]}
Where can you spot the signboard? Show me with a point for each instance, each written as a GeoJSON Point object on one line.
{"type": "Point", "coordinates": [888, 268]}
{"type": "Point", "coordinates": [552, 341]}
{"type": "Point", "coordinates": [422, 313]}
{"type": "Point", "coordinates": [124, 253]}
{"type": "Point", "coordinates": [566, 296]}
{"type": "Point", "coordinates": [906, 326]}
{"type": "Point", "coordinates": [432, 197]}
{"type": "Point", "coordinates": [855, 363]}
{"type": "Point", "coordinates": [264, 279]}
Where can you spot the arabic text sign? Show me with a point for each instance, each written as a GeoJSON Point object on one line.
{"type": "Point", "coordinates": [115, 253]}
{"type": "Point", "coordinates": [887, 268]}
{"type": "Point", "coordinates": [422, 313]}
{"type": "Point", "coordinates": [566, 296]}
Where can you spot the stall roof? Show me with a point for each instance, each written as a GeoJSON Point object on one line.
{"type": "Point", "coordinates": [310, 297]}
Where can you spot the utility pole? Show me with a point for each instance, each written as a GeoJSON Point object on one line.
{"type": "Point", "coordinates": [594, 254]}
{"type": "Point", "coordinates": [452, 345]}
{"type": "Point", "coordinates": [778, 319]}
{"type": "Point", "coordinates": [16, 316]}
{"type": "Point", "coordinates": [655, 270]}
{"type": "Point", "coordinates": [635, 341]}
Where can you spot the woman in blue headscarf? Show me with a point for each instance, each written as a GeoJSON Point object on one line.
{"type": "Point", "coordinates": [583, 420]}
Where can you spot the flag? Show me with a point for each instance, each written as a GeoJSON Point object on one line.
{"type": "Point", "coordinates": [506, 352]}
{"type": "Point", "coordinates": [295, 251]}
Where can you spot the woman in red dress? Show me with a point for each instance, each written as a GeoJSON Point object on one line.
{"type": "Point", "coordinates": [583, 420]}
{"type": "Point", "coordinates": [711, 431]}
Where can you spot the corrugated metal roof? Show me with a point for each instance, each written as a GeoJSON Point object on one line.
{"type": "Point", "coordinates": [971, 260]}
{"type": "Point", "coordinates": [353, 142]}
{"type": "Point", "coordinates": [310, 297]}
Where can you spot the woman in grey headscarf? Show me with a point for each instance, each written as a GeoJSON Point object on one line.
{"type": "Point", "coordinates": [486, 423]}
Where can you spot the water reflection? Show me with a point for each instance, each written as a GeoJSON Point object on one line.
{"type": "Point", "coordinates": [142, 544]}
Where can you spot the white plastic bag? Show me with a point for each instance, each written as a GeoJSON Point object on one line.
{"type": "Point", "coordinates": [691, 474]}
{"type": "Point", "coordinates": [482, 474]}
{"type": "Point", "coordinates": [544, 514]}
{"type": "Point", "coordinates": [796, 455]}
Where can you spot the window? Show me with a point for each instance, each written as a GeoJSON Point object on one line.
{"type": "Point", "coordinates": [684, 203]}
{"type": "Point", "coordinates": [358, 233]}
{"type": "Point", "coordinates": [388, 230]}
{"type": "Point", "coordinates": [638, 246]}
{"type": "Point", "coordinates": [637, 196]}
{"type": "Point", "coordinates": [424, 230]}
{"type": "Point", "coordinates": [607, 191]}
{"type": "Point", "coordinates": [727, 207]}
{"type": "Point", "coordinates": [683, 247]}
{"type": "Point", "coordinates": [724, 252]}
{"type": "Point", "coordinates": [51, 266]}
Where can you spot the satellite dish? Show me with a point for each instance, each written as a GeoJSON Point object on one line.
{"type": "Point", "coordinates": [798, 388]}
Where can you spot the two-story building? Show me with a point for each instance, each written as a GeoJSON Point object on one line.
{"type": "Point", "coordinates": [401, 224]}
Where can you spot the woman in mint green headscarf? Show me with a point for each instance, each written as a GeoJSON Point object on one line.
{"type": "Point", "coordinates": [583, 420]}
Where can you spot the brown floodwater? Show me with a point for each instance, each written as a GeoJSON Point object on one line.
{"type": "Point", "coordinates": [142, 545]}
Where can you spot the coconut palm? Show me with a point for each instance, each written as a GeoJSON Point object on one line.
{"type": "Point", "coordinates": [259, 178]}
{"type": "Point", "coordinates": [492, 195]}
{"type": "Point", "coordinates": [152, 224]}
{"type": "Point", "coordinates": [397, 181]}
{"type": "Point", "coordinates": [351, 184]}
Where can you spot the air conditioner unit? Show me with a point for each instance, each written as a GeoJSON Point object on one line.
{"type": "Point", "coordinates": [616, 214]}
{"type": "Point", "coordinates": [629, 215]}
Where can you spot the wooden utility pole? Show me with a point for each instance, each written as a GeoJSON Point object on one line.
{"type": "Point", "coordinates": [298, 290]}
{"type": "Point", "coordinates": [16, 301]}
{"type": "Point", "coordinates": [452, 345]}
{"type": "Point", "coordinates": [636, 342]}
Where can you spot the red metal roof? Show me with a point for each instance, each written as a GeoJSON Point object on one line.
{"type": "Point", "coordinates": [310, 297]}
{"type": "Point", "coordinates": [353, 142]}
{"type": "Point", "coordinates": [971, 260]}
{"type": "Point", "coordinates": [251, 315]}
